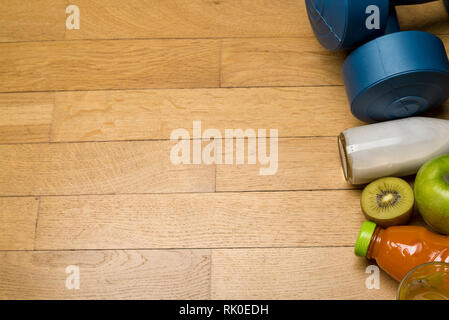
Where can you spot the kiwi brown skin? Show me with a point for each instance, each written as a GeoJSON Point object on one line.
{"type": "Point", "coordinates": [388, 187]}
{"type": "Point", "coordinates": [398, 221]}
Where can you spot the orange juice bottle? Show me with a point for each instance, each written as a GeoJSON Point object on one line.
{"type": "Point", "coordinates": [399, 249]}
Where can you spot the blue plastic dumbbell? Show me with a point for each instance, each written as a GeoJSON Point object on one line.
{"type": "Point", "coordinates": [340, 24]}
{"type": "Point", "coordinates": [393, 74]}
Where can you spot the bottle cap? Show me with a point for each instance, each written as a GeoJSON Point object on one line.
{"type": "Point", "coordinates": [364, 238]}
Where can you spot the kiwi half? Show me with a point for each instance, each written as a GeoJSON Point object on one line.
{"type": "Point", "coordinates": [388, 202]}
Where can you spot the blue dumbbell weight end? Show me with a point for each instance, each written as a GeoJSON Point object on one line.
{"type": "Point", "coordinates": [338, 24]}
{"type": "Point", "coordinates": [397, 75]}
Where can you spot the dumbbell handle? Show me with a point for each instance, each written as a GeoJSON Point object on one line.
{"type": "Point", "coordinates": [408, 2]}
{"type": "Point", "coordinates": [392, 22]}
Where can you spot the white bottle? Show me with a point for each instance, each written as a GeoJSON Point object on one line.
{"type": "Point", "coordinates": [392, 148]}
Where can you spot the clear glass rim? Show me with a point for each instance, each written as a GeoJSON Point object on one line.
{"type": "Point", "coordinates": [445, 264]}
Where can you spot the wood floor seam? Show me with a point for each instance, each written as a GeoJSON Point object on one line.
{"type": "Point", "coordinates": [176, 193]}
{"type": "Point", "coordinates": [150, 140]}
{"type": "Point", "coordinates": [178, 249]}
{"type": "Point", "coordinates": [37, 223]}
{"type": "Point", "coordinates": [177, 88]}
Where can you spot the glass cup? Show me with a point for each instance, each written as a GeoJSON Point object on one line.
{"type": "Point", "coordinates": [429, 281]}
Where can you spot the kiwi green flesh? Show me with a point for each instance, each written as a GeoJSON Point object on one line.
{"type": "Point", "coordinates": [388, 202]}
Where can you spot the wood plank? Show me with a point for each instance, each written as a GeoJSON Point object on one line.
{"type": "Point", "coordinates": [17, 223]}
{"type": "Point", "coordinates": [132, 64]}
{"type": "Point", "coordinates": [131, 274]}
{"type": "Point", "coordinates": [303, 164]}
{"type": "Point", "coordinates": [25, 117]}
{"type": "Point", "coordinates": [98, 168]}
{"type": "Point", "coordinates": [32, 20]}
{"type": "Point", "coordinates": [225, 18]}
{"type": "Point", "coordinates": [114, 19]}
{"type": "Point", "coordinates": [109, 64]}
{"type": "Point", "coordinates": [296, 273]}
{"type": "Point", "coordinates": [199, 220]}
{"type": "Point", "coordinates": [189, 19]}
{"type": "Point", "coordinates": [154, 114]}
{"type": "Point", "coordinates": [430, 17]}
{"type": "Point", "coordinates": [279, 62]}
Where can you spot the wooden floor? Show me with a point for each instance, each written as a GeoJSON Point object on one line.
{"type": "Point", "coordinates": [85, 173]}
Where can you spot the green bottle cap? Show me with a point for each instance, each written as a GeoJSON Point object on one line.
{"type": "Point", "coordinates": [364, 238]}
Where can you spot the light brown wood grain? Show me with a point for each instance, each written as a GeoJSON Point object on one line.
{"type": "Point", "coordinates": [111, 274]}
{"type": "Point", "coordinates": [294, 273]}
{"type": "Point", "coordinates": [430, 17]}
{"type": "Point", "coordinates": [17, 223]}
{"type": "Point", "coordinates": [25, 117]}
{"type": "Point", "coordinates": [279, 62]}
{"type": "Point", "coordinates": [114, 19]}
{"type": "Point", "coordinates": [208, 220]}
{"type": "Point", "coordinates": [154, 114]}
{"type": "Point", "coordinates": [189, 19]}
{"type": "Point", "coordinates": [108, 64]}
{"type": "Point", "coordinates": [303, 164]}
{"type": "Point", "coordinates": [98, 168]}
{"type": "Point", "coordinates": [131, 64]}
{"type": "Point", "coordinates": [140, 227]}
{"type": "Point", "coordinates": [32, 20]}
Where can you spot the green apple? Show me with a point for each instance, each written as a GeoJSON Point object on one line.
{"type": "Point", "coordinates": [432, 193]}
